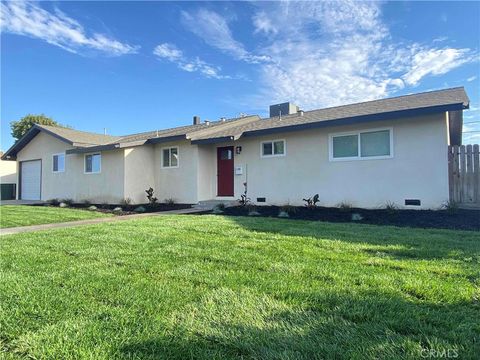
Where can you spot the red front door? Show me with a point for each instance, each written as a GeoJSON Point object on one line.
{"type": "Point", "coordinates": [225, 171]}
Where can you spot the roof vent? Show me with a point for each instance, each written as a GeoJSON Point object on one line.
{"type": "Point", "coordinates": [283, 109]}
{"type": "Point", "coordinates": [207, 122]}
{"type": "Point", "coordinates": [300, 112]}
{"type": "Point", "coordinates": [222, 119]}
{"type": "Point", "coordinates": [196, 120]}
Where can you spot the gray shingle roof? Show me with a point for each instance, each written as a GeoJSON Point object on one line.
{"type": "Point", "coordinates": [440, 100]}
{"type": "Point", "coordinates": [79, 137]}
{"type": "Point", "coordinates": [390, 105]}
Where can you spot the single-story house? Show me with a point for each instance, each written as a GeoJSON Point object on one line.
{"type": "Point", "coordinates": [366, 154]}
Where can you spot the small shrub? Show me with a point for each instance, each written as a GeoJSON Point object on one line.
{"type": "Point", "coordinates": [68, 201]}
{"type": "Point", "coordinates": [244, 199]}
{"type": "Point", "coordinates": [140, 209]}
{"type": "Point", "coordinates": [311, 202]}
{"type": "Point", "coordinates": [345, 206]}
{"type": "Point", "coordinates": [92, 208]}
{"type": "Point", "coordinates": [54, 202]}
{"type": "Point", "coordinates": [63, 205]}
{"type": "Point", "coordinates": [218, 209]}
{"type": "Point", "coordinates": [126, 202]}
{"type": "Point", "coordinates": [170, 201]}
{"type": "Point", "coordinates": [289, 209]}
{"type": "Point", "coordinates": [118, 209]}
{"type": "Point", "coordinates": [283, 214]}
{"type": "Point", "coordinates": [151, 199]}
{"type": "Point", "coordinates": [450, 206]}
{"type": "Point", "coordinates": [390, 206]}
{"type": "Point", "coordinates": [357, 217]}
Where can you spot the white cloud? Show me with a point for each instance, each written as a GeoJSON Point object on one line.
{"type": "Point", "coordinates": [332, 53]}
{"type": "Point", "coordinates": [472, 78]}
{"type": "Point", "coordinates": [214, 30]}
{"type": "Point", "coordinates": [263, 24]}
{"type": "Point", "coordinates": [171, 53]}
{"type": "Point", "coordinates": [435, 62]}
{"type": "Point", "coordinates": [28, 19]}
{"type": "Point", "coordinates": [168, 51]}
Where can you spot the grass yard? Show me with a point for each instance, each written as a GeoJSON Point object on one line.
{"type": "Point", "coordinates": [24, 215]}
{"type": "Point", "coordinates": [213, 287]}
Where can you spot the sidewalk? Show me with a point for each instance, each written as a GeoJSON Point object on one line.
{"type": "Point", "coordinates": [32, 228]}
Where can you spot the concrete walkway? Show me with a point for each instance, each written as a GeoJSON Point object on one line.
{"type": "Point", "coordinates": [32, 228]}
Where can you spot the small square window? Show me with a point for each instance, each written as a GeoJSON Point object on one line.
{"type": "Point", "coordinates": [93, 163]}
{"type": "Point", "coordinates": [170, 157]}
{"type": "Point", "coordinates": [273, 148]}
{"type": "Point", "coordinates": [58, 163]}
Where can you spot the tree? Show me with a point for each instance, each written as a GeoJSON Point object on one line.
{"type": "Point", "coordinates": [20, 127]}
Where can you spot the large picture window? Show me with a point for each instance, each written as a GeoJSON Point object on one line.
{"type": "Point", "coordinates": [371, 144]}
{"type": "Point", "coordinates": [58, 161]}
{"type": "Point", "coordinates": [170, 157]}
{"type": "Point", "coordinates": [93, 163]}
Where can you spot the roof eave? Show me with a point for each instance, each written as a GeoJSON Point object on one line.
{"type": "Point", "coordinates": [11, 154]}
{"type": "Point", "coordinates": [213, 140]}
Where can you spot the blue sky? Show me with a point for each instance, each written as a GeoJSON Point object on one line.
{"type": "Point", "coordinates": [139, 66]}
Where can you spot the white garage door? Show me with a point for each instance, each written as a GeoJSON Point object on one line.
{"type": "Point", "coordinates": [31, 172]}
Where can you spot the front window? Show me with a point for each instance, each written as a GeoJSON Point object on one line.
{"type": "Point", "coordinates": [361, 145]}
{"type": "Point", "coordinates": [273, 148]}
{"type": "Point", "coordinates": [58, 163]}
{"type": "Point", "coordinates": [93, 163]}
{"type": "Point", "coordinates": [170, 157]}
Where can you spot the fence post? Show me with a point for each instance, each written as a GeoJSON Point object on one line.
{"type": "Point", "coordinates": [476, 176]}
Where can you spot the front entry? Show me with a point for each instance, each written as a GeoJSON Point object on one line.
{"type": "Point", "coordinates": [225, 171]}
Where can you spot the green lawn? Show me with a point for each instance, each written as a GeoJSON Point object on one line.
{"type": "Point", "coordinates": [23, 215]}
{"type": "Point", "coordinates": [212, 287]}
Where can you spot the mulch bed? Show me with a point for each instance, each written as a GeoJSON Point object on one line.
{"type": "Point", "coordinates": [458, 219]}
{"type": "Point", "coordinates": [126, 209]}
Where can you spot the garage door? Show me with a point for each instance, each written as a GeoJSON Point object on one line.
{"type": "Point", "coordinates": [30, 175]}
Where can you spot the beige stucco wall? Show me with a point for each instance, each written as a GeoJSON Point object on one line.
{"type": "Point", "coordinates": [8, 172]}
{"type": "Point", "coordinates": [107, 186]}
{"type": "Point", "coordinates": [178, 183]}
{"type": "Point", "coordinates": [417, 170]}
{"type": "Point", "coordinates": [139, 172]}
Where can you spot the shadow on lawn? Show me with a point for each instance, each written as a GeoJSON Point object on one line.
{"type": "Point", "coordinates": [227, 324]}
{"type": "Point", "coordinates": [399, 243]}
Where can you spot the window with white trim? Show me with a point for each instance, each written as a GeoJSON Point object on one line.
{"type": "Point", "coordinates": [58, 161]}
{"type": "Point", "coordinates": [93, 163]}
{"type": "Point", "coordinates": [273, 148]}
{"type": "Point", "coordinates": [371, 144]}
{"type": "Point", "coordinates": [170, 157]}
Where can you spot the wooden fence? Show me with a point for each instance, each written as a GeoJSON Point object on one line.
{"type": "Point", "coordinates": [464, 174]}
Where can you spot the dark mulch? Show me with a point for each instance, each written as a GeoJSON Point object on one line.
{"type": "Point", "coordinates": [127, 209]}
{"type": "Point", "coordinates": [459, 219]}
